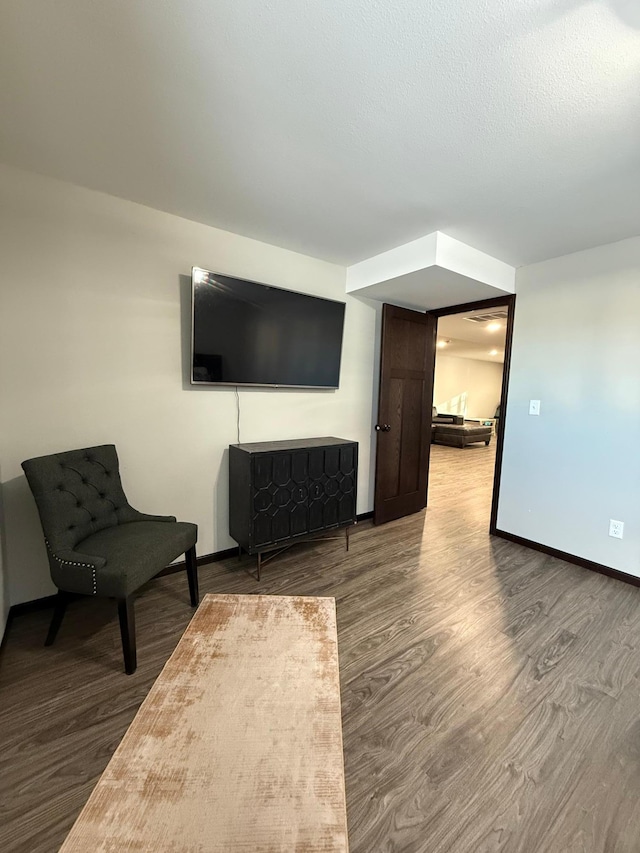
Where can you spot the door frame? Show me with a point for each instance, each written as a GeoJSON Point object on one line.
{"type": "Point", "coordinates": [494, 302]}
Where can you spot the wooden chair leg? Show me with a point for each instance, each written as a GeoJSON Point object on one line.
{"type": "Point", "coordinates": [192, 575]}
{"type": "Point", "coordinates": [126, 614]}
{"type": "Point", "coordinates": [62, 599]}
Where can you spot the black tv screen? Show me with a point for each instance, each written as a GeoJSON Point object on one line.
{"type": "Point", "coordinates": [245, 333]}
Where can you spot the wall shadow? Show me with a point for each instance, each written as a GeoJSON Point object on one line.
{"type": "Point", "coordinates": [377, 344]}
{"type": "Point", "coordinates": [23, 543]}
{"type": "Point", "coordinates": [4, 574]}
{"type": "Point", "coordinates": [220, 507]}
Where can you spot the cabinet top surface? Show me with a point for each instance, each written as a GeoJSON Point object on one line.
{"type": "Point", "coordinates": [291, 444]}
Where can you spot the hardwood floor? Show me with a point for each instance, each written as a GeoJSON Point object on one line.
{"type": "Point", "coordinates": [491, 694]}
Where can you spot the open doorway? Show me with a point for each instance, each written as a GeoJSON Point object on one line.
{"type": "Point", "coordinates": [404, 428]}
{"type": "Point", "coordinates": [467, 392]}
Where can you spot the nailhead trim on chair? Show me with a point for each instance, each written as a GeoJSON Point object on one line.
{"type": "Point", "coordinates": [71, 563]}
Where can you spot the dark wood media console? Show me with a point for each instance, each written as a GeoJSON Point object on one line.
{"type": "Point", "coordinates": [282, 492]}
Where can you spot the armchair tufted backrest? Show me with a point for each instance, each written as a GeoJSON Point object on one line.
{"type": "Point", "coordinates": [77, 493]}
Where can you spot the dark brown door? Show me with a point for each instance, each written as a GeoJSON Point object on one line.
{"type": "Point", "coordinates": [404, 412]}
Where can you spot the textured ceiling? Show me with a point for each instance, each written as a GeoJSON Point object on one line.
{"type": "Point", "coordinates": [339, 128]}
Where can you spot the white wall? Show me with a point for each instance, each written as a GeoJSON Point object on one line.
{"type": "Point", "coordinates": [576, 348]}
{"type": "Point", "coordinates": [94, 325]}
{"type": "Point", "coordinates": [467, 386]}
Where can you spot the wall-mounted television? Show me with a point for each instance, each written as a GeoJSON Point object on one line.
{"type": "Point", "coordinates": [246, 333]}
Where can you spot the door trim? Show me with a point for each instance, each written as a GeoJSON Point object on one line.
{"type": "Point", "coordinates": [494, 302]}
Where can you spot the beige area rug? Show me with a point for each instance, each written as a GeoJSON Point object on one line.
{"type": "Point", "coordinates": [238, 746]}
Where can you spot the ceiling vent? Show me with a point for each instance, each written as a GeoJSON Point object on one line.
{"type": "Point", "coordinates": [500, 314]}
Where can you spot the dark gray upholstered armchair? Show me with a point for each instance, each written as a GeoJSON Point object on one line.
{"type": "Point", "coordinates": [96, 542]}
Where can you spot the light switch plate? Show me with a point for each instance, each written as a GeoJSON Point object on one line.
{"type": "Point", "coordinates": [534, 407]}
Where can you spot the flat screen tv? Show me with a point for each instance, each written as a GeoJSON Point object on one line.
{"type": "Point", "coordinates": [245, 333]}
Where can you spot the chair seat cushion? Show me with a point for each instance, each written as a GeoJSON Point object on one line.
{"type": "Point", "coordinates": [135, 552]}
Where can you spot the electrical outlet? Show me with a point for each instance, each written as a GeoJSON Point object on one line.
{"type": "Point", "coordinates": [616, 528]}
{"type": "Point", "coordinates": [534, 407]}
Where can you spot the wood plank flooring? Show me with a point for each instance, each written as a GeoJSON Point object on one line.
{"type": "Point", "coordinates": [491, 694]}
